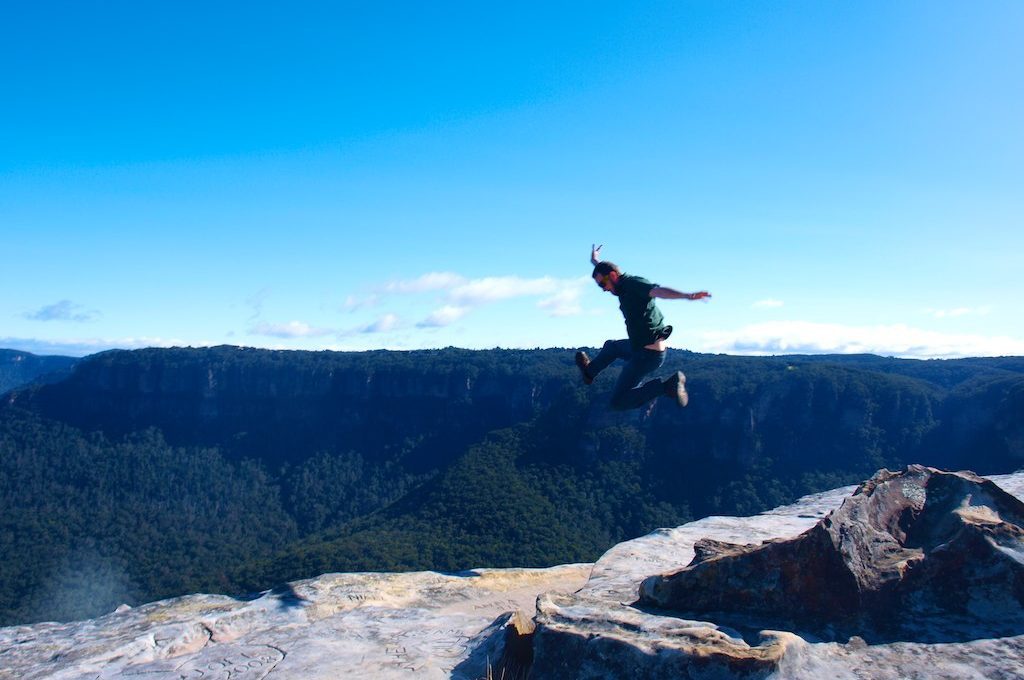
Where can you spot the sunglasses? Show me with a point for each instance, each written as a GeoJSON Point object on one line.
{"type": "Point", "coordinates": [602, 279]}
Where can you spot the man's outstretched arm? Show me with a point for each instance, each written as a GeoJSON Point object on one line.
{"type": "Point", "coordinates": [673, 294]}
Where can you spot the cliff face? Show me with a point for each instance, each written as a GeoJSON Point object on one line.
{"type": "Point", "coordinates": [239, 398]}
{"type": "Point", "coordinates": [985, 418]}
{"type": "Point", "coordinates": [421, 409]}
{"type": "Point", "coordinates": [288, 405]}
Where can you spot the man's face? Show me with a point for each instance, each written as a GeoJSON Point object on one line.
{"type": "Point", "coordinates": [606, 282]}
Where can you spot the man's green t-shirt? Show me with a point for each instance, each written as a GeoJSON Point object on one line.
{"type": "Point", "coordinates": [644, 321]}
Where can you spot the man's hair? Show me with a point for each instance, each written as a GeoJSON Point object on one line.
{"type": "Point", "coordinates": [604, 268]}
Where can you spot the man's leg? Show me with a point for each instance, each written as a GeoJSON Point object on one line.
{"type": "Point", "coordinates": [612, 350]}
{"type": "Point", "coordinates": [628, 392]}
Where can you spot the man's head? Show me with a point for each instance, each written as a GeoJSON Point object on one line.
{"type": "Point", "coordinates": [606, 276]}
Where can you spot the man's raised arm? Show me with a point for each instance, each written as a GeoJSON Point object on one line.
{"type": "Point", "coordinates": [673, 294]}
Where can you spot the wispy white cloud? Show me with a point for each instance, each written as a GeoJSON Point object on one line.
{"type": "Point", "coordinates": [292, 329]}
{"type": "Point", "coordinates": [353, 302]}
{"type": "Point", "coordinates": [63, 310]}
{"type": "Point", "coordinates": [382, 324]}
{"type": "Point", "coordinates": [803, 337]}
{"type": "Point", "coordinates": [444, 316]}
{"type": "Point", "coordinates": [425, 283]}
{"type": "Point", "coordinates": [388, 322]}
{"type": "Point", "coordinates": [460, 295]}
{"type": "Point", "coordinates": [768, 304]}
{"type": "Point", "coordinates": [495, 288]}
{"type": "Point", "coordinates": [959, 311]}
{"type": "Point", "coordinates": [565, 302]}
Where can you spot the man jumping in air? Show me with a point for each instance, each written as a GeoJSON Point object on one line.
{"type": "Point", "coordinates": [644, 351]}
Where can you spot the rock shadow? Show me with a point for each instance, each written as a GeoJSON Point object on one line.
{"type": "Point", "coordinates": [751, 629]}
{"type": "Point", "coordinates": [502, 650]}
{"type": "Point", "coordinates": [285, 595]}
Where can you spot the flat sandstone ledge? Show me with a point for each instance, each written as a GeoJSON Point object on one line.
{"type": "Point", "coordinates": [422, 624]}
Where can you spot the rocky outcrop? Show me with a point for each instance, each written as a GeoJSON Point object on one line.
{"type": "Point", "coordinates": [923, 554]}
{"type": "Point", "coordinates": [604, 631]}
{"type": "Point", "coordinates": [598, 631]}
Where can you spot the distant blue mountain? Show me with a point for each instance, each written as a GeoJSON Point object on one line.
{"type": "Point", "coordinates": [21, 368]}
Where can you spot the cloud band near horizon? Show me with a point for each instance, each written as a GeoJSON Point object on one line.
{"type": "Point", "coordinates": [776, 338]}
{"type": "Point", "coordinates": [898, 340]}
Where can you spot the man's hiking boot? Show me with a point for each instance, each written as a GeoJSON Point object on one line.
{"type": "Point", "coordinates": [675, 387]}
{"type": "Point", "coordinates": [583, 361]}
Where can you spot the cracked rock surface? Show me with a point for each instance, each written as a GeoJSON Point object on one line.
{"type": "Point", "coordinates": [422, 624]}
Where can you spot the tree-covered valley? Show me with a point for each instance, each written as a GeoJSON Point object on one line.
{"type": "Point", "coordinates": [138, 475]}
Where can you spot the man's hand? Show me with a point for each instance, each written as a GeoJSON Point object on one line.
{"type": "Point", "coordinates": [595, 254]}
{"type": "Point", "coordinates": [700, 295]}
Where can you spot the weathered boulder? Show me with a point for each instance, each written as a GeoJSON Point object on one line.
{"type": "Point", "coordinates": [920, 554]}
{"type": "Point", "coordinates": [602, 631]}
{"type": "Point", "coordinates": [598, 632]}
{"type": "Point", "coordinates": [585, 637]}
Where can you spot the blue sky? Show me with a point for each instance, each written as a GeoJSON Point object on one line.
{"type": "Point", "coordinates": [842, 177]}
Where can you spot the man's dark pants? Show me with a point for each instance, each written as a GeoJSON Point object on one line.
{"type": "Point", "coordinates": [628, 392]}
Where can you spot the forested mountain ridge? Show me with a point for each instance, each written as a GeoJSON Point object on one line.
{"type": "Point", "coordinates": [439, 459]}
{"type": "Point", "coordinates": [283, 406]}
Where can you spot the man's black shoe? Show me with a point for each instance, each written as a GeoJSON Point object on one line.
{"type": "Point", "coordinates": [675, 387]}
{"type": "Point", "coordinates": [583, 361]}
